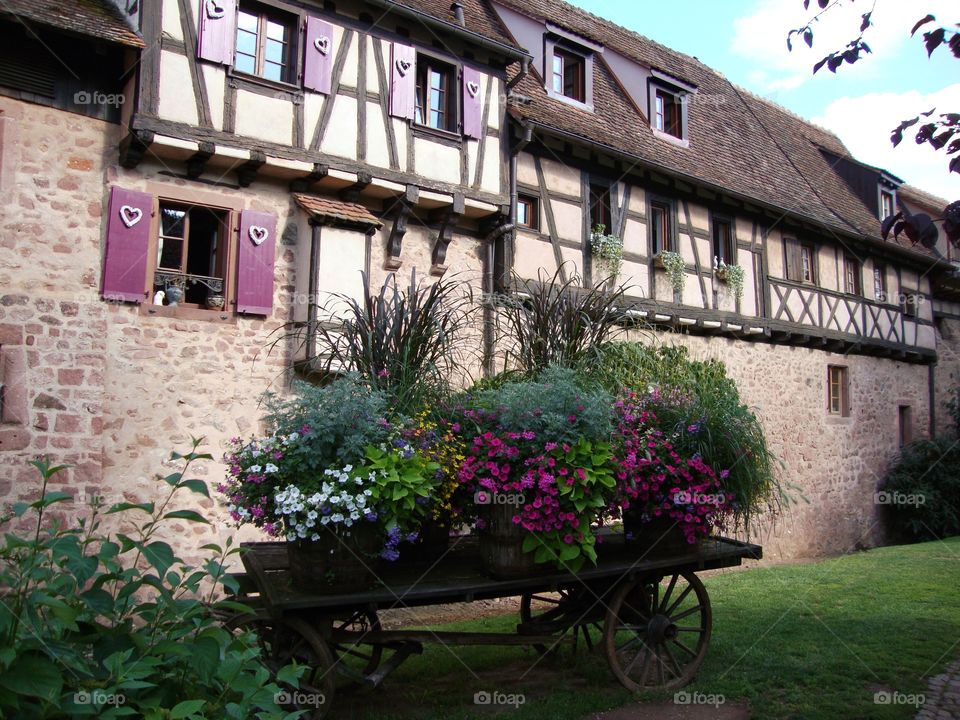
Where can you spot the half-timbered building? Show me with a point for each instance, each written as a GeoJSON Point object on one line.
{"type": "Point", "coordinates": [182, 177]}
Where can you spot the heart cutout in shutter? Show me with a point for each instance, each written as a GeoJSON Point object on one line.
{"type": "Point", "coordinates": [258, 234]}
{"type": "Point", "coordinates": [402, 66]}
{"type": "Point", "coordinates": [214, 11]}
{"type": "Point", "coordinates": [473, 88]}
{"type": "Point", "coordinates": [130, 215]}
{"type": "Point", "coordinates": [322, 44]}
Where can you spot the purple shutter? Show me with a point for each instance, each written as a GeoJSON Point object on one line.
{"type": "Point", "coordinates": [255, 262]}
{"type": "Point", "coordinates": [403, 81]}
{"type": "Point", "coordinates": [216, 38]}
{"type": "Point", "coordinates": [472, 106]}
{"type": "Point", "coordinates": [318, 56]}
{"type": "Point", "coordinates": [128, 239]}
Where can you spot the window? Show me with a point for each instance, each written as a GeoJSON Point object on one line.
{"type": "Point", "coordinates": [910, 304]}
{"type": "Point", "coordinates": [661, 228]}
{"type": "Point", "coordinates": [723, 244]}
{"type": "Point", "coordinates": [851, 275]}
{"type": "Point", "coordinates": [191, 254]}
{"type": "Point", "coordinates": [266, 43]}
{"type": "Point", "coordinates": [887, 204]}
{"type": "Point", "coordinates": [879, 282]}
{"type": "Point", "coordinates": [905, 417]}
{"type": "Point", "coordinates": [667, 113]}
{"type": "Point", "coordinates": [528, 212]}
{"type": "Point", "coordinates": [569, 75]}
{"type": "Point", "coordinates": [838, 402]}
{"type": "Point", "coordinates": [600, 208]}
{"type": "Point", "coordinates": [801, 261]}
{"type": "Point", "coordinates": [436, 102]}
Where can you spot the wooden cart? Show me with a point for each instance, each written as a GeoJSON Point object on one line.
{"type": "Point", "coordinates": [649, 615]}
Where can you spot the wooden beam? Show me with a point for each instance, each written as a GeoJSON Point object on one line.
{"type": "Point", "coordinates": [134, 146]}
{"type": "Point", "coordinates": [198, 161]}
{"type": "Point", "coordinates": [451, 217]}
{"type": "Point", "coordinates": [248, 171]}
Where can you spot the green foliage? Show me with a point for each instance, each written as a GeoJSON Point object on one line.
{"type": "Point", "coordinates": [553, 404]}
{"type": "Point", "coordinates": [335, 423]}
{"type": "Point", "coordinates": [112, 625]}
{"type": "Point", "coordinates": [407, 343]}
{"type": "Point", "coordinates": [733, 275]}
{"type": "Point", "coordinates": [552, 321]}
{"type": "Point", "coordinates": [674, 266]}
{"type": "Point", "coordinates": [607, 251]}
{"type": "Point", "coordinates": [699, 393]}
{"type": "Point", "coordinates": [406, 480]}
{"type": "Point", "coordinates": [922, 493]}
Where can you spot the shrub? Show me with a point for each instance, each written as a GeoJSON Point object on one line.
{"type": "Point", "coordinates": [922, 493]}
{"type": "Point", "coordinates": [111, 625]}
{"type": "Point", "coordinates": [697, 404]}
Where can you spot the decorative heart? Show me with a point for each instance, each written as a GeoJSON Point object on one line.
{"type": "Point", "coordinates": [130, 215]}
{"type": "Point", "coordinates": [403, 66]}
{"type": "Point", "coordinates": [258, 234]}
{"type": "Point", "coordinates": [322, 44]}
{"type": "Point", "coordinates": [473, 88]}
{"type": "Point", "coordinates": [214, 11]}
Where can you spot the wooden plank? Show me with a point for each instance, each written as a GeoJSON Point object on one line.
{"type": "Point", "coordinates": [196, 73]}
{"type": "Point", "coordinates": [551, 220]}
{"type": "Point", "coordinates": [338, 64]}
{"type": "Point", "coordinates": [383, 96]}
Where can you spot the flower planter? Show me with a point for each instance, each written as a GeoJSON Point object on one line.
{"type": "Point", "coordinates": [659, 536]}
{"type": "Point", "coordinates": [501, 543]}
{"type": "Point", "coordinates": [339, 561]}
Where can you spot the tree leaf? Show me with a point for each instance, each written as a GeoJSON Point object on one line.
{"type": "Point", "coordinates": [191, 515]}
{"type": "Point", "coordinates": [146, 507]}
{"type": "Point", "coordinates": [933, 40]}
{"type": "Point", "coordinates": [186, 708]}
{"type": "Point", "coordinates": [866, 21]}
{"type": "Point", "coordinates": [808, 36]}
{"type": "Point", "coordinates": [33, 676]}
{"type": "Point", "coordinates": [920, 23]}
{"type": "Point", "coordinates": [197, 486]}
{"type": "Point", "coordinates": [160, 555]}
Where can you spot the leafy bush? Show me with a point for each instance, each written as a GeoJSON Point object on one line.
{"type": "Point", "coordinates": [699, 405]}
{"type": "Point", "coordinates": [407, 343]}
{"type": "Point", "coordinates": [111, 625]}
{"type": "Point", "coordinates": [922, 493]}
{"type": "Point", "coordinates": [556, 322]}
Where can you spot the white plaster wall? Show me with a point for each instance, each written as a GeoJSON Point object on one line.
{"type": "Point", "coordinates": [352, 65]}
{"type": "Point", "coordinates": [378, 150]}
{"type": "Point", "coordinates": [436, 161]}
{"type": "Point", "coordinates": [340, 136]}
{"type": "Point", "coordinates": [177, 101]}
{"type": "Point", "coordinates": [264, 117]}
{"type": "Point", "coordinates": [170, 21]}
{"type": "Point", "coordinates": [214, 78]}
{"type": "Point", "coordinates": [490, 179]}
{"type": "Point", "coordinates": [561, 178]}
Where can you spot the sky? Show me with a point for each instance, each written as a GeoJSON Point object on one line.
{"type": "Point", "coordinates": [746, 41]}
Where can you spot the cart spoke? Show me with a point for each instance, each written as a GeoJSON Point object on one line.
{"type": "Point", "coordinates": [666, 595]}
{"type": "Point", "coordinates": [684, 647]}
{"type": "Point", "coordinates": [629, 666]}
{"type": "Point", "coordinates": [684, 614]}
{"type": "Point", "coordinates": [691, 629]}
{"type": "Point", "coordinates": [673, 661]}
{"type": "Point", "coordinates": [676, 603]}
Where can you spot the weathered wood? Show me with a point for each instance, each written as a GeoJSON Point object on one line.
{"type": "Point", "coordinates": [383, 97]}
{"type": "Point", "coordinates": [551, 221]}
{"type": "Point", "coordinates": [196, 74]}
{"type": "Point", "coordinates": [334, 89]}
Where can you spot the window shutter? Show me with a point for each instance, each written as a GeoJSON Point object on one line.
{"type": "Point", "coordinates": [255, 262]}
{"type": "Point", "coordinates": [216, 37]}
{"type": "Point", "coordinates": [794, 264]}
{"type": "Point", "coordinates": [128, 238]}
{"type": "Point", "coordinates": [403, 81]}
{"type": "Point", "coordinates": [472, 105]}
{"type": "Point", "coordinates": [318, 56]}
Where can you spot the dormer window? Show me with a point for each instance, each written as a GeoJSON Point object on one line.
{"type": "Point", "coordinates": [668, 103]}
{"type": "Point", "coordinates": [568, 66]}
{"type": "Point", "coordinates": [888, 202]}
{"type": "Point", "coordinates": [569, 76]}
{"type": "Point", "coordinates": [666, 113]}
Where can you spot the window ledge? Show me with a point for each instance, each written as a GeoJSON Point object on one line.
{"type": "Point", "coordinates": [672, 139]}
{"type": "Point", "coordinates": [587, 106]}
{"type": "Point", "coordinates": [188, 313]}
{"type": "Point", "coordinates": [436, 134]}
{"type": "Point", "coordinates": [291, 90]}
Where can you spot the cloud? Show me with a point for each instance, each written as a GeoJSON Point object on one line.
{"type": "Point", "coordinates": [864, 123]}
{"type": "Point", "coordinates": [761, 36]}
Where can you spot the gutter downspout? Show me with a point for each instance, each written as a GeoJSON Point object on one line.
{"type": "Point", "coordinates": [312, 290]}
{"type": "Point", "coordinates": [524, 69]}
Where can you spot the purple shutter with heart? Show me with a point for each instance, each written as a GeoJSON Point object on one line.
{"type": "Point", "coordinates": [403, 81]}
{"type": "Point", "coordinates": [217, 35]}
{"type": "Point", "coordinates": [318, 56]}
{"type": "Point", "coordinates": [472, 105]}
{"type": "Point", "coordinates": [128, 238]}
{"type": "Point", "coordinates": [255, 259]}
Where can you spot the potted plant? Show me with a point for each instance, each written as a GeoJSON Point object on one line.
{"type": "Point", "coordinates": [673, 264]}
{"type": "Point", "coordinates": [732, 275]}
{"type": "Point", "coordinates": [667, 499]}
{"type": "Point", "coordinates": [537, 468]}
{"type": "Point", "coordinates": [607, 252]}
{"type": "Point", "coordinates": [334, 478]}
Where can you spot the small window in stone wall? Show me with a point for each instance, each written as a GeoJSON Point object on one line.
{"type": "Point", "coordinates": [905, 422]}
{"type": "Point", "coordinates": [838, 394]}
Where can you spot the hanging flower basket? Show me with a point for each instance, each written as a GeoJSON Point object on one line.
{"type": "Point", "coordinates": [341, 560]}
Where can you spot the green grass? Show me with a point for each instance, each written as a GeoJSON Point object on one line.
{"type": "Point", "coordinates": [805, 641]}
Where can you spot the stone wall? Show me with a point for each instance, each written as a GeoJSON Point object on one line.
{"type": "Point", "coordinates": [947, 372]}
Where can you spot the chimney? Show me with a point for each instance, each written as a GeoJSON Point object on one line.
{"type": "Point", "coordinates": [457, 9]}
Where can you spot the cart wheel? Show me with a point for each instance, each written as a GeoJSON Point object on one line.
{"type": "Point", "coordinates": [354, 656]}
{"type": "Point", "coordinates": [571, 608]}
{"type": "Point", "coordinates": [285, 641]}
{"type": "Point", "coordinates": [655, 636]}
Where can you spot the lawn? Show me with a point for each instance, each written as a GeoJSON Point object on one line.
{"type": "Point", "coordinates": [806, 641]}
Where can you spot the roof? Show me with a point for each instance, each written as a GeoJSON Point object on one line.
{"type": "Point", "coordinates": [927, 201]}
{"type": "Point", "coordinates": [738, 143]}
{"type": "Point", "coordinates": [329, 208]}
{"type": "Point", "coordinates": [95, 18]}
{"type": "Point", "coordinates": [478, 17]}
